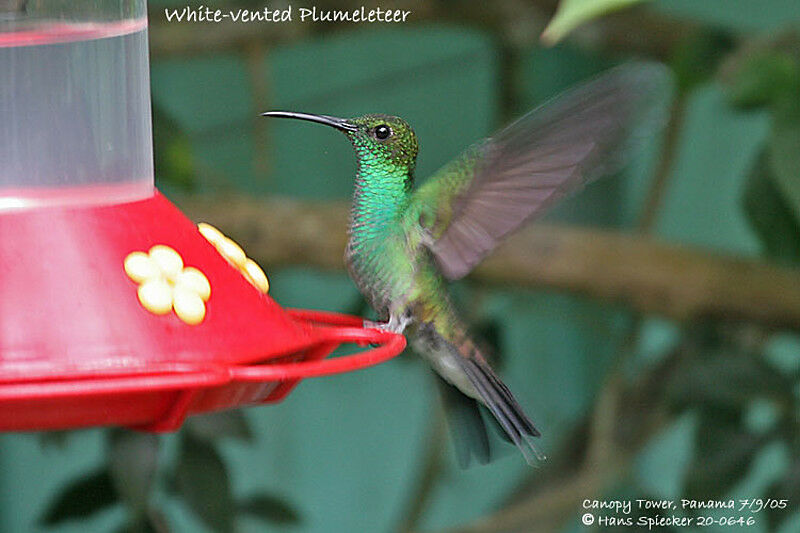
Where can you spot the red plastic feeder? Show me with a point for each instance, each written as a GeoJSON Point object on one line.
{"type": "Point", "coordinates": [77, 345]}
{"type": "Point", "coordinates": [77, 348]}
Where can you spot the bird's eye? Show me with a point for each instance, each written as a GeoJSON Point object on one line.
{"type": "Point", "coordinates": [382, 132]}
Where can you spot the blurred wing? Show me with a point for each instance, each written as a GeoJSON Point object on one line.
{"type": "Point", "coordinates": [553, 151]}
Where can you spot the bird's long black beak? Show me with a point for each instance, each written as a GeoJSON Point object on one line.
{"type": "Point", "coordinates": [338, 123]}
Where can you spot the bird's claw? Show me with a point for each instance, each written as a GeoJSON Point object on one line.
{"type": "Point", "coordinates": [396, 324]}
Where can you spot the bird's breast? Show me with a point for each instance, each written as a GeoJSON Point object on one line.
{"type": "Point", "coordinates": [381, 267]}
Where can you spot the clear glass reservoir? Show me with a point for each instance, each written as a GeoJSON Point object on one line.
{"type": "Point", "coordinates": [74, 102]}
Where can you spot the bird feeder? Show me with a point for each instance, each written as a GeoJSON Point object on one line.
{"type": "Point", "coordinates": [116, 309]}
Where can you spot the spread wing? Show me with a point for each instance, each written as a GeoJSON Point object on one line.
{"type": "Point", "coordinates": [468, 206]}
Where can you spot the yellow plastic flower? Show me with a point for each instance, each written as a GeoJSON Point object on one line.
{"type": "Point", "coordinates": [165, 284]}
{"type": "Point", "coordinates": [234, 254]}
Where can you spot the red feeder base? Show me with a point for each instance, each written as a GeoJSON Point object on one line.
{"type": "Point", "coordinates": [78, 349]}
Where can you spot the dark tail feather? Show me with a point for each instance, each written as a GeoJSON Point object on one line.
{"type": "Point", "coordinates": [467, 426]}
{"type": "Point", "coordinates": [504, 407]}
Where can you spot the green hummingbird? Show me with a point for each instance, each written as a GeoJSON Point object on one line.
{"type": "Point", "coordinates": [405, 243]}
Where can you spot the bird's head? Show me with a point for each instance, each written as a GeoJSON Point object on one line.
{"type": "Point", "coordinates": [385, 139]}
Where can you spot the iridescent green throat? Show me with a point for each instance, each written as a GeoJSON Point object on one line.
{"type": "Point", "coordinates": [381, 194]}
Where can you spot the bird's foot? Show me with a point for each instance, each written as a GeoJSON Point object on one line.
{"type": "Point", "coordinates": [396, 324]}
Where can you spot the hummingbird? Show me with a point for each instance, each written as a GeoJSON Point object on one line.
{"type": "Point", "coordinates": [406, 243]}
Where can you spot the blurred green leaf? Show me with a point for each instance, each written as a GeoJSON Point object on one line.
{"type": "Point", "coordinates": [770, 215]}
{"type": "Point", "coordinates": [695, 57]}
{"type": "Point", "coordinates": [760, 77]}
{"type": "Point", "coordinates": [573, 13]}
{"type": "Point", "coordinates": [784, 153]}
{"type": "Point", "coordinates": [768, 75]}
{"type": "Point", "coordinates": [270, 508]}
{"type": "Point", "coordinates": [221, 424]}
{"type": "Point", "coordinates": [719, 378]}
{"type": "Point", "coordinates": [202, 480]}
{"type": "Point", "coordinates": [81, 498]}
{"type": "Point", "coordinates": [132, 463]}
{"type": "Point", "coordinates": [728, 379]}
{"type": "Point", "coordinates": [723, 454]}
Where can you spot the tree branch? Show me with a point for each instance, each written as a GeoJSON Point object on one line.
{"type": "Point", "coordinates": [652, 277]}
